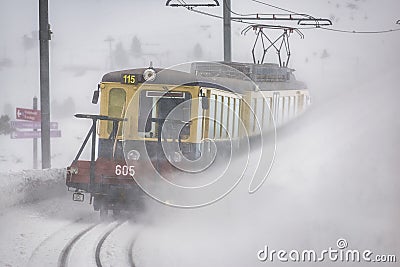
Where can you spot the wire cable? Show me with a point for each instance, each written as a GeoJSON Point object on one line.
{"type": "Point", "coordinates": [359, 32]}
{"type": "Point", "coordinates": [192, 9]}
{"type": "Point", "coordinates": [282, 9]}
{"type": "Point", "coordinates": [329, 29]}
{"type": "Point", "coordinates": [250, 14]}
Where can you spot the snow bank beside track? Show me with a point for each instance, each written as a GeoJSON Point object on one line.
{"type": "Point", "coordinates": [30, 185]}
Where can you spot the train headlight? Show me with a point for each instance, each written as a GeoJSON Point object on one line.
{"type": "Point", "coordinates": [73, 170]}
{"type": "Point", "coordinates": [133, 155]}
{"type": "Point", "coordinates": [177, 157]}
{"type": "Point", "coordinates": [149, 74]}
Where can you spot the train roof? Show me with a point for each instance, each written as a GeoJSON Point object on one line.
{"type": "Point", "coordinates": [238, 76]}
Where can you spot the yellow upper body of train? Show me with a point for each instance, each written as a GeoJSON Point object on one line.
{"type": "Point", "coordinates": [234, 107]}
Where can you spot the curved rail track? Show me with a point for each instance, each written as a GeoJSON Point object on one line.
{"type": "Point", "coordinates": [101, 242]}
{"type": "Point", "coordinates": [63, 259]}
{"type": "Point", "coordinates": [94, 234]}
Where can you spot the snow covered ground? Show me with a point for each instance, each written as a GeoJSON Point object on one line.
{"type": "Point", "coordinates": [33, 206]}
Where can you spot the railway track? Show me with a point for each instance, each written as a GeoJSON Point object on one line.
{"type": "Point", "coordinates": [94, 244]}
{"type": "Point", "coordinates": [63, 259]}
{"type": "Point", "coordinates": [101, 242]}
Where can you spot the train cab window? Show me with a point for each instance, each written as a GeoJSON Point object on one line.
{"type": "Point", "coordinates": [156, 106]}
{"type": "Point", "coordinates": [116, 106]}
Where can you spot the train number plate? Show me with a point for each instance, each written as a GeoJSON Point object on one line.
{"type": "Point", "coordinates": [124, 170]}
{"type": "Point", "coordinates": [129, 79]}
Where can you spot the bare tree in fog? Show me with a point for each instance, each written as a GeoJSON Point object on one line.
{"type": "Point", "coordinates": [197, 51]}
{"type": "Point", "coordinates": [5, 127]}
{"type": "Point", "coordinates": [136, 47]}
{"type": "Point", "coordinates": [5, 63]}
{"type": "Point", "coordinates": [120, 56]}
{"type": "Point", "coordinates": [65, 109]}
{"type": "Point", "coordinates": [324, 54]}
{"type": "Point", "coordinates": [8, 109]}
{"type": "Point", "coordinates": [29, 42]}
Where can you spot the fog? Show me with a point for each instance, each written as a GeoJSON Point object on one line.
{"type": "Point", "coordinates": [336, 170]}
{"type": "Point", "coordinates": [335, 176]}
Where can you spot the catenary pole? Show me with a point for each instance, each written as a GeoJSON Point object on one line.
{"type": "Point", "coordinates": [227, 30]}
{"type": "Point", "coordinates": [44, 38]}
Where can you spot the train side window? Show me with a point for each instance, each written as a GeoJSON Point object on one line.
{"type": "Point", "coordinates": [225, 122]}
{"type": "Point", "coordinates": [271, 111]}
{"type": "Point", "coordinates": [275, 107]}
{"type": "Point", "coordinates": [231, 116]}
{"type": "Point", "coordinates": [239, 110]}
{"type": "Point", "coordinates": [285, 108]}
{"type": "Point", "coordinates": [211, 117]}
{"type": "Point", "coordinates": [237, 117]}
{"type": "Point", "coordinates": [116, 106]}
{"type": "Point", "coordinates": [145, 109]}
{"type": "Point", "coordinates": [232, 106]}
{"type": "Point", "coordinates": [218, 113]}
{"type": "Point", "coordinates": [280, 109]}
{"type": "Point", "coordinates": [265, 113]}
{"type": "Point", "coordinates": [292, 104]}
{"type": "Point", "coordinates": [259, 107]}
{"type": "Point", "coordinates": [252, 116]}
{"type": "Point", "coordinates": [308, 100]}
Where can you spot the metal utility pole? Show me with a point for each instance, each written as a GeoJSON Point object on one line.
{"type": "Point", "coordinates": [227, 30]}
{"type": "Point", "coordinates": [44, 38]}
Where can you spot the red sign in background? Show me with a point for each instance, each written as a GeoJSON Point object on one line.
{"type": "Point", "coordinates": [28, 114]}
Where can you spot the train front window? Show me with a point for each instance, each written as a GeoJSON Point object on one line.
{"type": "Point", "coordinates": [168, 108]}
{"type": "Point", "coordinates": [116, 107]}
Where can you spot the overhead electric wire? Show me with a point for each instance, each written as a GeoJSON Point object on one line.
{"type": "Point", "coordinates": [210, 14]}
{"type": "Point", "coordinates": [280, 8]}
{"type": "Point", "coordinates": [359, 32]}
{"type": "Point", "coordinates": [286, 10]}
{"type": "Point", "coordinates": [330, 29]}
{"type": "Point", "coordinates": [256, 14]}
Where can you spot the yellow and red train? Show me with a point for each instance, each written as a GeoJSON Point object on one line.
{"type": "Point", "coordinates": [145, 108]}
